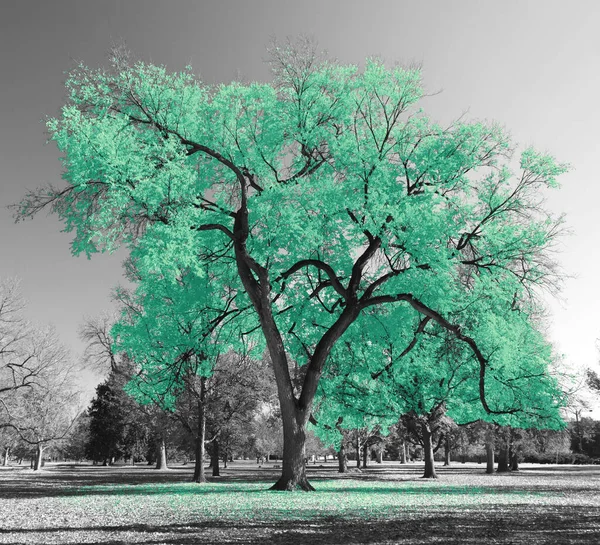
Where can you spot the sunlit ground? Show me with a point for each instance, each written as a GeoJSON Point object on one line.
{"type": "Point", "coordinates": [385, 504]}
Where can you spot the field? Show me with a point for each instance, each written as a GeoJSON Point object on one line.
{"type": "Point", "coordinates": [387, 504]}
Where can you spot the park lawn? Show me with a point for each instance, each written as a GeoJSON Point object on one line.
{"type": "Point", "coordinates": [532, 506]}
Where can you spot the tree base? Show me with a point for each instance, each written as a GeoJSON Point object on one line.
{"type": "Point", "coordinates": [434, 476]}
{"type": "Point", "coordinates": [289, 485]}
{"type": "Point", "coordinates": [199, 480]}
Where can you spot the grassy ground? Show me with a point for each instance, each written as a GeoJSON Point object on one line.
{"type": "Point", "coordinates": [385, 504]}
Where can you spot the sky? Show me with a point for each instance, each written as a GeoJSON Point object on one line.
{"type": "Point", "coordinates": [532, 66]}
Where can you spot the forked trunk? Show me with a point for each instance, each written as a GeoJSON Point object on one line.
{"type": "Point", "coordinates": [428, 452]}
{"type": "Point", "coordinates": [199, 475]}
{"type": "Point", "coordinates": [39, 453]}
{"type": "Point", "coordinates": [293, 467]}
{"type": "Point", "coordinates": [215, 459]}
{"type": "Point", "coordinates": [161, 454]}
{"type": "Point", "coordinates": [342, 460]}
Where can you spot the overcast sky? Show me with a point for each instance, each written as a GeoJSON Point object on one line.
{"type": "Point", "coordinates": [532, 66]}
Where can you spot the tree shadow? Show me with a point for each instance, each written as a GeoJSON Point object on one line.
{"type": "Point", "coordinates": [531, 526]}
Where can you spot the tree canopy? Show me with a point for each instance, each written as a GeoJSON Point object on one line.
{"type": "Point", "coordinates": [329, 193]}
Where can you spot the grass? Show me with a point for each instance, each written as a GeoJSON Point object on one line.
{"type": "Point", "coordinates": [389, 504]}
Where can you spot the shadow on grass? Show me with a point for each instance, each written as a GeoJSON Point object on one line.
{"type": "Point", "coordinates": [531, 526]}
{"type": "Point", "coordinates": [67, 480]}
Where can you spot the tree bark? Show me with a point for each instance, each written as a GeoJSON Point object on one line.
{"type": "Point", "coordinates": [39, 455]}
{"type": "Point", "coordinates": [428, 452]}
{"type": "Point", "coordinates": [447, 461]}
{"type": "Point", "coordinates": [215, 459]}
{"type": "Point", "coordinates": [503, 460]}
{"type": "Point", "coordinates": [489, 450]}
{"type": "Point", "coordinates": [342, 460]}
{"type": "Point", "coordinates": [161, 454]}
{"type": "Point", "coordinates": [365, 455]}
{"type": "Point", "coordinates": [6, 453]}
{"type": "Point", "coordinates": [403, 452]}
{"type": "Point", "coordinates": [293, 467]}
{"type": "Point", "coordinates": [380, 455]}
{"type": "Point", "coordinates": [514, 460]}
{"type": "Point", "coordinates": [357, 448]}
{"type": "Point", "coordinates": [199, 475]}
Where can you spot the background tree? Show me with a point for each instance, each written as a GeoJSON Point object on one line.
{"type": "Point", "coordinates": [43, 412]}
{"type": "Point", "coordinates": [328, 190]}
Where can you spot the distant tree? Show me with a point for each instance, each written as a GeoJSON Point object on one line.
{"type": "Point", "coordinates": [26, 357]}
{"type": "Point", "coordinates": [118, 426]}
{"type": "Point", "coordinates": [8, 439]}
{"type": "Point", "coordinates": [74, 445]}
{"type": "Point", "coordinates": [43, 413]}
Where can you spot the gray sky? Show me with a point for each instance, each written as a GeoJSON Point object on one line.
{"type": "Point", "coordinates": [532, 66]}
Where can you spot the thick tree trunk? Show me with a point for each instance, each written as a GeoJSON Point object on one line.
{"type": "Point", "coordinates": [161, 454]}
{"type": "Point", "coordinates": [6, 453]}
{"type": "Point", "coordinates": [39, 455]}
{"type": "Point", "coordinates": [447, 461]}
{"type": "Point", "coordinates": [428, 452]}
{"type": "Point", "coordinates": [503, 458]}
{"type": "Point", "coordinates": [403, 452]}
{"type": "Point", "coordinates": [342, 460]}
{"type": "Point", "coordinates": [215, 459]}
{"type": "Point", "coordinates": [365, 455]}
{"type": "Point", "coordinates": [199, 475]}
{"type": "Point", "coordinates": [293, 467]}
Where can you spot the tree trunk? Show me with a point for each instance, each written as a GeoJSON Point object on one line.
{"type": "Point", "coordinates": [225, 459]}
{"type": "Point", "coordinates": [514, 460]}
{"type": "Point", "coordinates": [293, 467]}
{"type": "Point", "coordinates": [342, 460]}
{"type": "Point", "coordinates": [428, 452]}
{"type": "Point", "coordinates": [403, 452]}
{"type": "Point", "coordinates": [39, 454]}
{"type": "Point", "coordinates": [380, 456]}
{"type": "Point", "coordinates": [503, 460]}
{"type": "Point", "coordinates": [6, 453]}
{"type": "Point", "coordinates": [489, 451]}
{"type": "Point", "coordinates": [161, 454]}
{"type": "Point", "coordinates": [215, 459]}
{"type": "Point", "coordinates": [199, 475]}
{"type": "Point", "coordinates": [357, 448]}
{"type": "Point", "coordinates": [365, 455]}
{"type": "Point", "coordinates": [446, 451]}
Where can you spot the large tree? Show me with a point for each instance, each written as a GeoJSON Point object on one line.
{"type": "Point", "coordinates": [327, 190]}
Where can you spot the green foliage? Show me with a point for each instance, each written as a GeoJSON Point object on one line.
{"type": "Point", "coordinates": [332, 197]}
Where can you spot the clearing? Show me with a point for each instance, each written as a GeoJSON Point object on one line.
{"type": "Point", "coordinates": [385, 504]}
